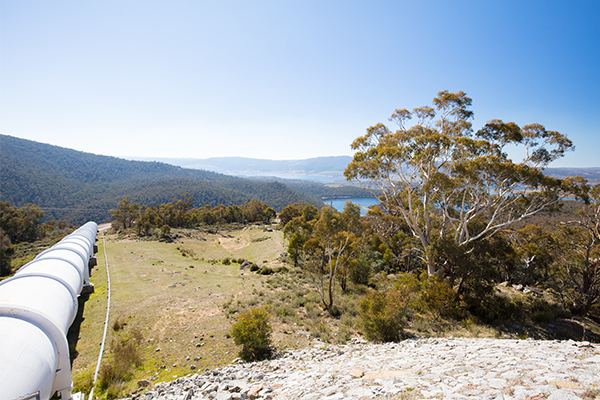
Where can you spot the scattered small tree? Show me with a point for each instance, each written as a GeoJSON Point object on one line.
{"type": "Point", "coordinates": [125, 213]}
{"type": "Point", "coordinates": [268, 215]}
{"type": "Point", "coordinates": [253, 331]}
{"type": "Point", "coordinates": [334, 234]}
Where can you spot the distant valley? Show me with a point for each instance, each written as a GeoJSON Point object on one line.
{"type": "Point", "coordinates": [318, 169]}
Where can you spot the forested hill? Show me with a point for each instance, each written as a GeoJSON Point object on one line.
{"type": "Point", "coordinates": [77, 186]}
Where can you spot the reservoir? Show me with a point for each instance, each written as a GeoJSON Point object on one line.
{"type": "Point", "coordinates": [362, 202]}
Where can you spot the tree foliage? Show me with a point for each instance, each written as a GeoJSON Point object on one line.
{"type": "Point", "coordinates": [578, 256]}
{"type": "Point", "coordinates": [326, 242]}
{"type": "Point", "coordinates": [447, 182]}
{"type": "Point", "coordinates": [181, 213]}
{"type": "Point", "coordinates": [17, 225]}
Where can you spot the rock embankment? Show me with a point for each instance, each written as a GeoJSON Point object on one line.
{"type": "Point", "coordinates": [413, 369]}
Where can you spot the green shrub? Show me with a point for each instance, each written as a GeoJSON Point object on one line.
{"type": "Point", "coordinates": [428, 294]}
{"type": "Point", "coordinates": [320, 330]}
{"type": "Point", "coordinates": [253, 331]}
{"type": "Point", "coordinates": [312, 311]}
{"type": "Point", "coordinates": [165, 231]}
{"type": "Point", "coordinates": [360, 270]}
{"type": "Point", "coordinates": [439, 298]}
{"type": "Point", "coordinates": [344, 334]}
{"type": "Point", "coordinates": [266, 271]}
{"type": "Point", "coordinates": [383, 315]}
{"type": "Point", "coordinates": [298, 301]}
{"type": "Point", "coordinates": [285, 310]}
{"type": "Point", "coordinates": [285, 296]}
{"type": "Point", "coordinates": [348, 320]}
{"type": "Point", "coordinates": [335, 311]}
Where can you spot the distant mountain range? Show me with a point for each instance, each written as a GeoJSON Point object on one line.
{"type": "Point", "coordinates": [592, 174]}
{"type": "Point", "coordinates": [319, 169]}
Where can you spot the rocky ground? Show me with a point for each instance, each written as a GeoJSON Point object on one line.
{"type": "Point", "coordinates": [449, 368]}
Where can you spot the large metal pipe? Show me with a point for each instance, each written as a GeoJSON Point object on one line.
{"type": "Point", "coordinates": [37, 307]}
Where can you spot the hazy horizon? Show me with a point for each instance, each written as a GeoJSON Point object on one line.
{"type": "Point", "coordinates": [287, 80]}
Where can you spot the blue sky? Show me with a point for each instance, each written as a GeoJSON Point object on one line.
{"type": "Point", "coordinates": [288, 79]}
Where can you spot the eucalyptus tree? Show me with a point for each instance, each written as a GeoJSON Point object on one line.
{"type": "Point", "coordinates": [289, 213]}
{"type": "Point", "coordinates": [443, 179]}
{"type": "Point", "coordinates": [534, 247]}
{"type": "Point", "coordinates": [578, 257]}
{"type": "Point", "coordinates": [333, 236]}
{"type": "Point", "coordinates": [125, 214]}
{"type": "Point", "coordinates": [300, 221]}
{"type": "Point", "coordinates": [398, 244]}
{"type": "Point", "coordinates": [324, 240]}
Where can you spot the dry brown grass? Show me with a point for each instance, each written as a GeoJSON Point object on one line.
{"type": "Point", "coordinates": [174, 298]}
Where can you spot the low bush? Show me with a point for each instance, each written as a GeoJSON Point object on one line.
{"type": "Point", "coordinates": [344, 334]}
{"type": "Point", "coordinates": [285, 310]}
{"type": "Point", "coordinates": [383, 315]}
{"type": "Point", "coordinates": [298, 302]}
{"type": "Point", "coordinates": [266, 271]}
{"type": "Point", "coordinates": [360, 270]}
{"type": "Point", "coordinates": [320, 330]}
{"type": "Point", "coordinates": [439, 298]}
{"type": "Point", "coordinates": [253, 331]}
{"type": "Point", "coordinates": [313, 311]}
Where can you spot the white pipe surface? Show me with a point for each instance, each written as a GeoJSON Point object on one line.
{"type": "Point", "coordinates": [37, 307]}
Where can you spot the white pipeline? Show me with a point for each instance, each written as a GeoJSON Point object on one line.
{"type": "Point", "coordinates": [37, 307]}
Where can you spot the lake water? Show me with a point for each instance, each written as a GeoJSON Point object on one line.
{"type": "Point", "coordinates": [362, 202]}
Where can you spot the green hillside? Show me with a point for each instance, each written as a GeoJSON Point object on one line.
{"type": "Point", "coordinates": [77, 186]}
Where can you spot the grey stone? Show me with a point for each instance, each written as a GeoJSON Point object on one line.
{"type": "Point", "coordinates": [223, 395]}
{"type": "Point", "coordinates": [449, 368]}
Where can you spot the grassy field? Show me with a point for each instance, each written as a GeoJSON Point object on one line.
{"type": "Point", "coordinates": [173, 293]}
